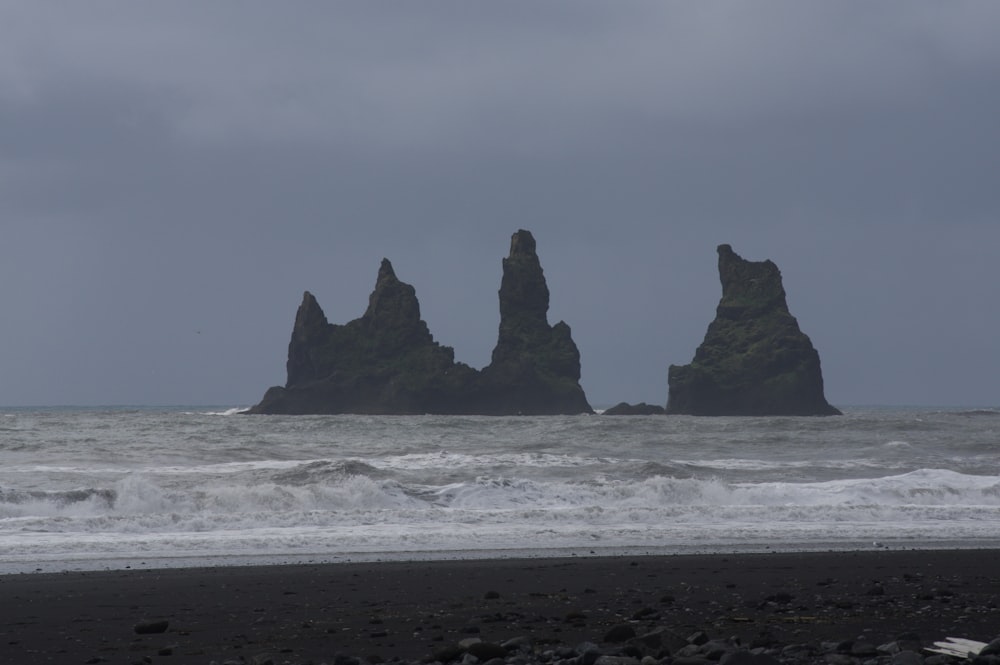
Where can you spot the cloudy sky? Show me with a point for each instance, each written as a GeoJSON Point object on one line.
{"type": "Point", "coordinates": [173, 175]}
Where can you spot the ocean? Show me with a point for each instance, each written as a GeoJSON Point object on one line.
{"type": "Point", "coordinates": [115, 488]}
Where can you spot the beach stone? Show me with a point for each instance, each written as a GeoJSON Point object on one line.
{"type": "Point", "coordinates": [263, 659]}
{"type": "Point", "coordinates": [151, 627]}
{"type": "Point", "coordinates": [938, 659]}
{"type": "Point", "coordinates": [747, 658]}
{"type": "Point", "coordinates": [445, 654]}
{"type": "Point", "coordinates": [901, 644]}
{"type": "Point", "coordinates": [519, 643]}
{"type": "Point", "coordinates": [691, 660]}
{"type": "Point", "coordinates": [862, 648]}
{"type": "Point", "coordinates": [698, 638]}
{"type": "Point", "coordinates": [715, 649]}
{"type": "Point", "coordinates": [763, 639]}
{"type": "Point", "coordinates": [797, 651]}
{"type": "Point", "coordinates": [655, 639]}
{"type": "Point", "coordinates": [620, 633]}
{"type": "Point", "coordinates": [907, 658]}
{"type": "Point", "coordinates": [564, 652]}
{"type": "Point", "coordinates": [839, 659]}
{"type": "Point", "coordinates": [616, 660]}
{"type": "Point", "coordinates": [588, 653]}
{"type": "Point", "coordinates": [345, 659]}
{"type": "Point", "coordinates": [646, 613]}
{"type": "Point", "coordinates": [485, 651]}
{"type": "Point", "coordinates": [985, 660]}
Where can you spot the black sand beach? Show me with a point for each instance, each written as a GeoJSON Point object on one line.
{"type": "Point", "coordinates": [842, 604]}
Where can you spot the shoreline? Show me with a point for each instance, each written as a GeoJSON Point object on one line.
{"type": "Point", "coordinates": [309, 612]}
{"type": "Point", "coordinates": [122, 563]}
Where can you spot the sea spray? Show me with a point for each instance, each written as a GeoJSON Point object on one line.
{"type": "Point", "coordinates": [101, 485]}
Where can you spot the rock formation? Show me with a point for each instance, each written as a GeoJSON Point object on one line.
{"type": "Point", "coordinates": [387, 361]}
{"type": "Point", "coordinates": [535, 367]}
{"type": "Point", "coordinates": [640, 409]}
{"type": "Point", "coordinates": [384, 362]}
{"type": "Point", "coordinates": [754, 360]}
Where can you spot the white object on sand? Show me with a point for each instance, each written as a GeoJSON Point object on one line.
{"type": "Point", "coordinates": [958, 646]}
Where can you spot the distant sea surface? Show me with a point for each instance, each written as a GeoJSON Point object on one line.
{"type": "Point", "coordinates": [99, 488]}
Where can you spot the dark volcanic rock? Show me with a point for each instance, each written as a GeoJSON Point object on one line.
{"type": "Point", "coordinates": [387, 361]}
{"type": "Point", "coordinates": [384, 362]}
{"type": "Point", "coordinates": [640, 409]}
{"type": "Point", "coordinates": [535, 368]}
{"type": "Point", "coordinates": [754, 360]}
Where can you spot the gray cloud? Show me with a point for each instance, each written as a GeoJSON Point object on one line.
{"type": "Point", "coordinates": [174, 175]}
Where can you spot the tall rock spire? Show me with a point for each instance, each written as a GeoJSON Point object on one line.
{"type": "Point", "coordinates": [754, 360]}
{"type": "Point", "coordinates": [535, 367]}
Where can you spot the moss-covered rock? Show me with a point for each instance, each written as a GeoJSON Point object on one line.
{"type": "Point", "coordinates": [535, 368]}
{"type": "Point", "coordinates": [387, 361]}
{"type": "Point", "coordinates": [754, 360]}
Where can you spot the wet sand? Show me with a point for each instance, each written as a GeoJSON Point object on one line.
{"type": "Point", "coordinates": [410, 610]}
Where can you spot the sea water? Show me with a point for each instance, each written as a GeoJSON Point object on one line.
{"type": "Point", "coordinates": [151, 487]}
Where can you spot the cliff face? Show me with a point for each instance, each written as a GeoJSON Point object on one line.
{"type": "Point", "coordinates": [535, 368]}
{"type": "Point", "coordinates": [387, 362]}
{"type": "Point", "coordinates": [754, 360]}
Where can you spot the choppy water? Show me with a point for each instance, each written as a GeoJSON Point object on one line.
{"type": "Point", "coordinates": [95, 488]}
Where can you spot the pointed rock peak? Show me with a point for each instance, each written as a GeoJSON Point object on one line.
{"type": "Point", "coordinates": [523, 292]}
{"type": "Point", "coordinates": [392, 302]}
{"type": "Point", "coordinates": [309, 299]}
{"type": "Point", "coordinates": [754, 360]}
{"type": "Point", "coordinates": [310, 314]}
{"type": "Point", "coordinates": [385, 272]}
{"type": "Point", "coordinates": [748, 286]}
{"type": "Point", "coordinates": [522, 243]}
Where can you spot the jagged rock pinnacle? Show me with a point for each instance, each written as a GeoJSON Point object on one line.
{"type": "Point", "coordinates": [387, 361]}
{"type": "Point", "coordinates": [754, 360]}
{"type": "Point", "coordinates": [535, 367]}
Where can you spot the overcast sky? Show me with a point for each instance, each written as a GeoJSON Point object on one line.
{"type": "Point", "coordinates": [173, 175]}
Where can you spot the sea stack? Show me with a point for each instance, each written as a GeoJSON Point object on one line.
{"type": "Point", "coordinates": [535, 368]}
{"type": "Point", "coordinates": [754, 360]}
{"type": "Point", "coordinates": [387, 361]}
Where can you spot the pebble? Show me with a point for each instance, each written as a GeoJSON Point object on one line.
{"type": "Point", "coordinates": [620, 646]}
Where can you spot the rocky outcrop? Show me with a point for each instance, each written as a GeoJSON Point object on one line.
{"type": "Point", "coordinates": [754, 360]}
{"type": "Point", "coordinates": [387, 361]}
{"type": "Point", "coordinates": [535, 367]}
{"type": "Point", "coordinates": [384, 362]}
{"type": "Point", "coordinates": [640, 409]}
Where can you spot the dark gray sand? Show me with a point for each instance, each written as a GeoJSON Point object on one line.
{"type": "Point", "coordinates": [841, 605]}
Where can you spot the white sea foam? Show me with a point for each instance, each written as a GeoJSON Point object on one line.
{"type": "Point", "coordinates": [162, 485]}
